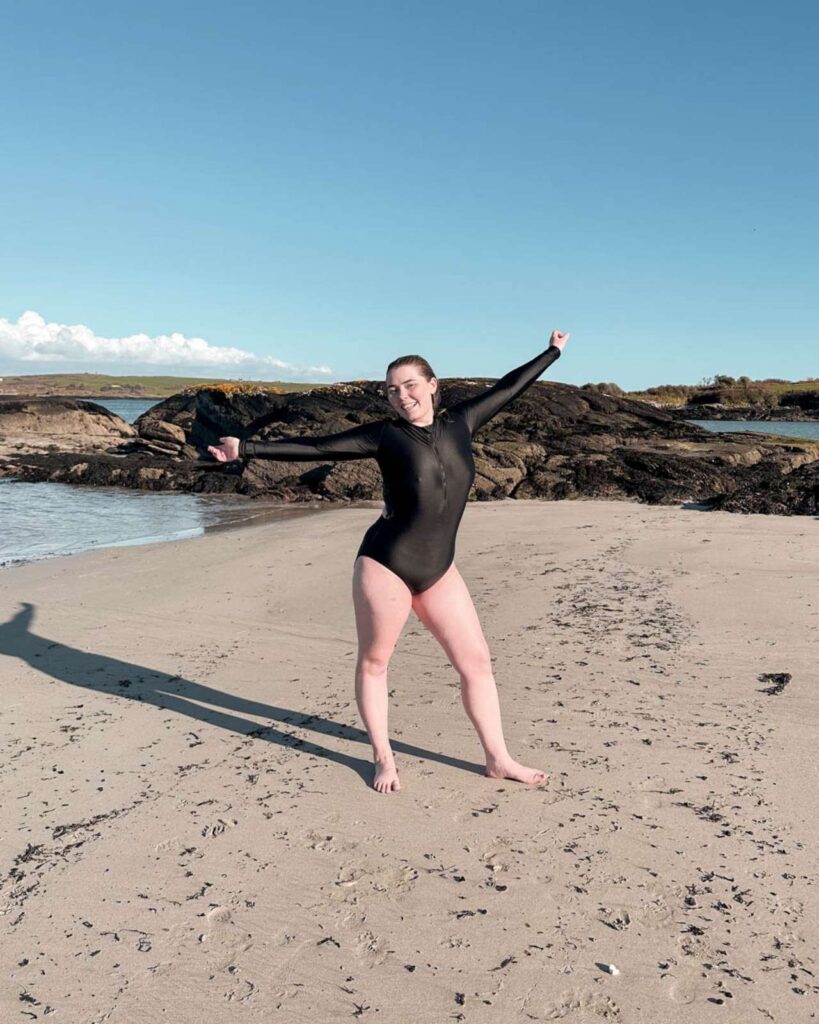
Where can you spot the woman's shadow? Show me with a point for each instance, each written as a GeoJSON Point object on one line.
{"type": "Point", "coordinates": [174, 693]}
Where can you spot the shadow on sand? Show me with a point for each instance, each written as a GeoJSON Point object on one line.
{"type": "Point", "coordinates": [129, 681]}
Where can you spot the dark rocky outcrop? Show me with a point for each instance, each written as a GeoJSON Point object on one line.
{"type": "Point", "coordinates": [555, 441]}
{"type": "Point", "coordinates": [795, 493]}
{"type": "Point", "coordinates": [803, 412]}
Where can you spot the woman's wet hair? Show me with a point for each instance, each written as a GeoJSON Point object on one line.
{"type": "Point", "coordinates": [425, 369]}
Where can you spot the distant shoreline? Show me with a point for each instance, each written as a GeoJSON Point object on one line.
{"type": "Point", "coordinates": [94, 386]}
{"type": "Point", "coordinates": [749, 414]}
{"type": "Point", "coordinates": [722, 399]}
{"type": "Point", "coordinates": [745, 414]}
{"type": "Point", "coordinates": [106, 396]}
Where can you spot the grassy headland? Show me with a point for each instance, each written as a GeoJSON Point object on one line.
{"type": "Point", "coordinates": [100, 385]}
{"type": "Point", "coordinates": [724, 390]}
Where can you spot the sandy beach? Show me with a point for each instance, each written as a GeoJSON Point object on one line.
{"type": "Point", "coordinates": [190, 832]}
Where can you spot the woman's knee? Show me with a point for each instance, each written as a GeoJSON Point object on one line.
{"type": "Point", "coordinates": [474, 663]}
{"type": "Point", "coordinates": [372, 664]}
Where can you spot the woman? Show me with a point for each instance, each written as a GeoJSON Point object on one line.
{"type": "Point", "coordinates": [405, 560]}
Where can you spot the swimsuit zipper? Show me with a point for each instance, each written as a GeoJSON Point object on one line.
{"type": "Point", "coordinates": [443, 473]}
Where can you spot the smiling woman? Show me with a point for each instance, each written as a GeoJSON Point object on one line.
{"type": "Point", "coordinates": [406, 558]}
{"type": "Point", "coordinates": [425, 458]}
{"type": "Point", "coordinates": [404, 390]}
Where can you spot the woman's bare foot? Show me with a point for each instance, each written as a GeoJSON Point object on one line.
{"type": "Point", "coordinates": [510, 769]}
{"type": "Point", "coordinates": [386, 775]}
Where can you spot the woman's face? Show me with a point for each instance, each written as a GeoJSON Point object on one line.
{"type": "Point", "coordinates": [410, 394]}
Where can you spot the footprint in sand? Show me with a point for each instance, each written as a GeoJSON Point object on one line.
{"type": "Point", "coordinates": [371, 948]}
{"type": "Point", "coordinates": [217, 827]}
{"type": "Point", "coordinates": [397, 879]}
{"type": "Point", "coordinates": [617, 919]}
{"type": "Point", "coordinates": [218, 952]}
{"type": "Point", "coordinates": [648, 909]}
{"type": "Point", "coordinates": [654, 910]}
{"type": "Point", "coordinates": [326, 842]}
{"type": "Point", "coordinates": [687, 989]}
{"type": "Point", "coordinates": [172, 845]}
{"type": "Point", "coordinates": [579, 999]}
{"type": "Point", "coordinates": [223, 936]}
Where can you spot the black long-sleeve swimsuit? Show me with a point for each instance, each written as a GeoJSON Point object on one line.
{"type": "Point", "coordinates": [427, 473]}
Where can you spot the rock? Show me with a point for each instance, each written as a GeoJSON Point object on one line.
{"type": "Point", "coordinates": [499, 468]}
{"type": "Point", "coordinates": [554, 441]}
{"type": "Point", "coordinates": [67, 424]}
{"type": "Point", "coordinates": [160, 430]}
{"type": "Point", "coordinates": [772, 492]}
{"type": "Point", "coordinates": [792, 413]}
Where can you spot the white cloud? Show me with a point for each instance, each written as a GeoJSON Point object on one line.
{"type": "Point", "coordinates": [33, 343]}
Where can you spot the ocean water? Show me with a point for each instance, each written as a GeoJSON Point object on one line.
{"type": "Point", "coordinates": [126, 408]}
{"type": "Point", "coordinates": [42, 520]}
{"type": "Point", "coordinates": [809, 429]}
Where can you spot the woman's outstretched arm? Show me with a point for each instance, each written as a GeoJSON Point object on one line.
{"type": "Point", "coordinates": [482, 407]}
{"type": "Point", "coordinates": [359, 442]}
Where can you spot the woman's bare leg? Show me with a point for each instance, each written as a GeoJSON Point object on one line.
{"type": "Point", "coordinates": [446, 609]}
{"type": "Point", "coordinates": [382, 604]}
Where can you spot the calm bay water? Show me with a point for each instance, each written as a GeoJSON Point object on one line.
{"type": "Point", "coordinates": [46, 519]}
{"type": "Point", "coordinates": [126, 408]}
{"type": "Point", "coordinates": [785, 429]}
{"type": "Point", "coordinates": [41, 520]}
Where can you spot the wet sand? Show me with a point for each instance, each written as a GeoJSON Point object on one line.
{"type": "Point", "coordinates": [190, 832]}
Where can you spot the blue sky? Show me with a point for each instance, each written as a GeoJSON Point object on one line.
{"type": "Point", "coordinates": [311, 189]}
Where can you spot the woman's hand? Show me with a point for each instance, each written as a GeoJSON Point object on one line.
{"type": "Point", "coordinates": [558, 340]}
{"type": "Point", "coordinates": [227, 450]}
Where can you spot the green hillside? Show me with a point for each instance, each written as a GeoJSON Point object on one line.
{"type": "Point", "coordinates": [100, 385]}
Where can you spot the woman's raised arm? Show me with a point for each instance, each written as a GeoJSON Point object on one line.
{"type": "Point", "coordinates": [482, 407]}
